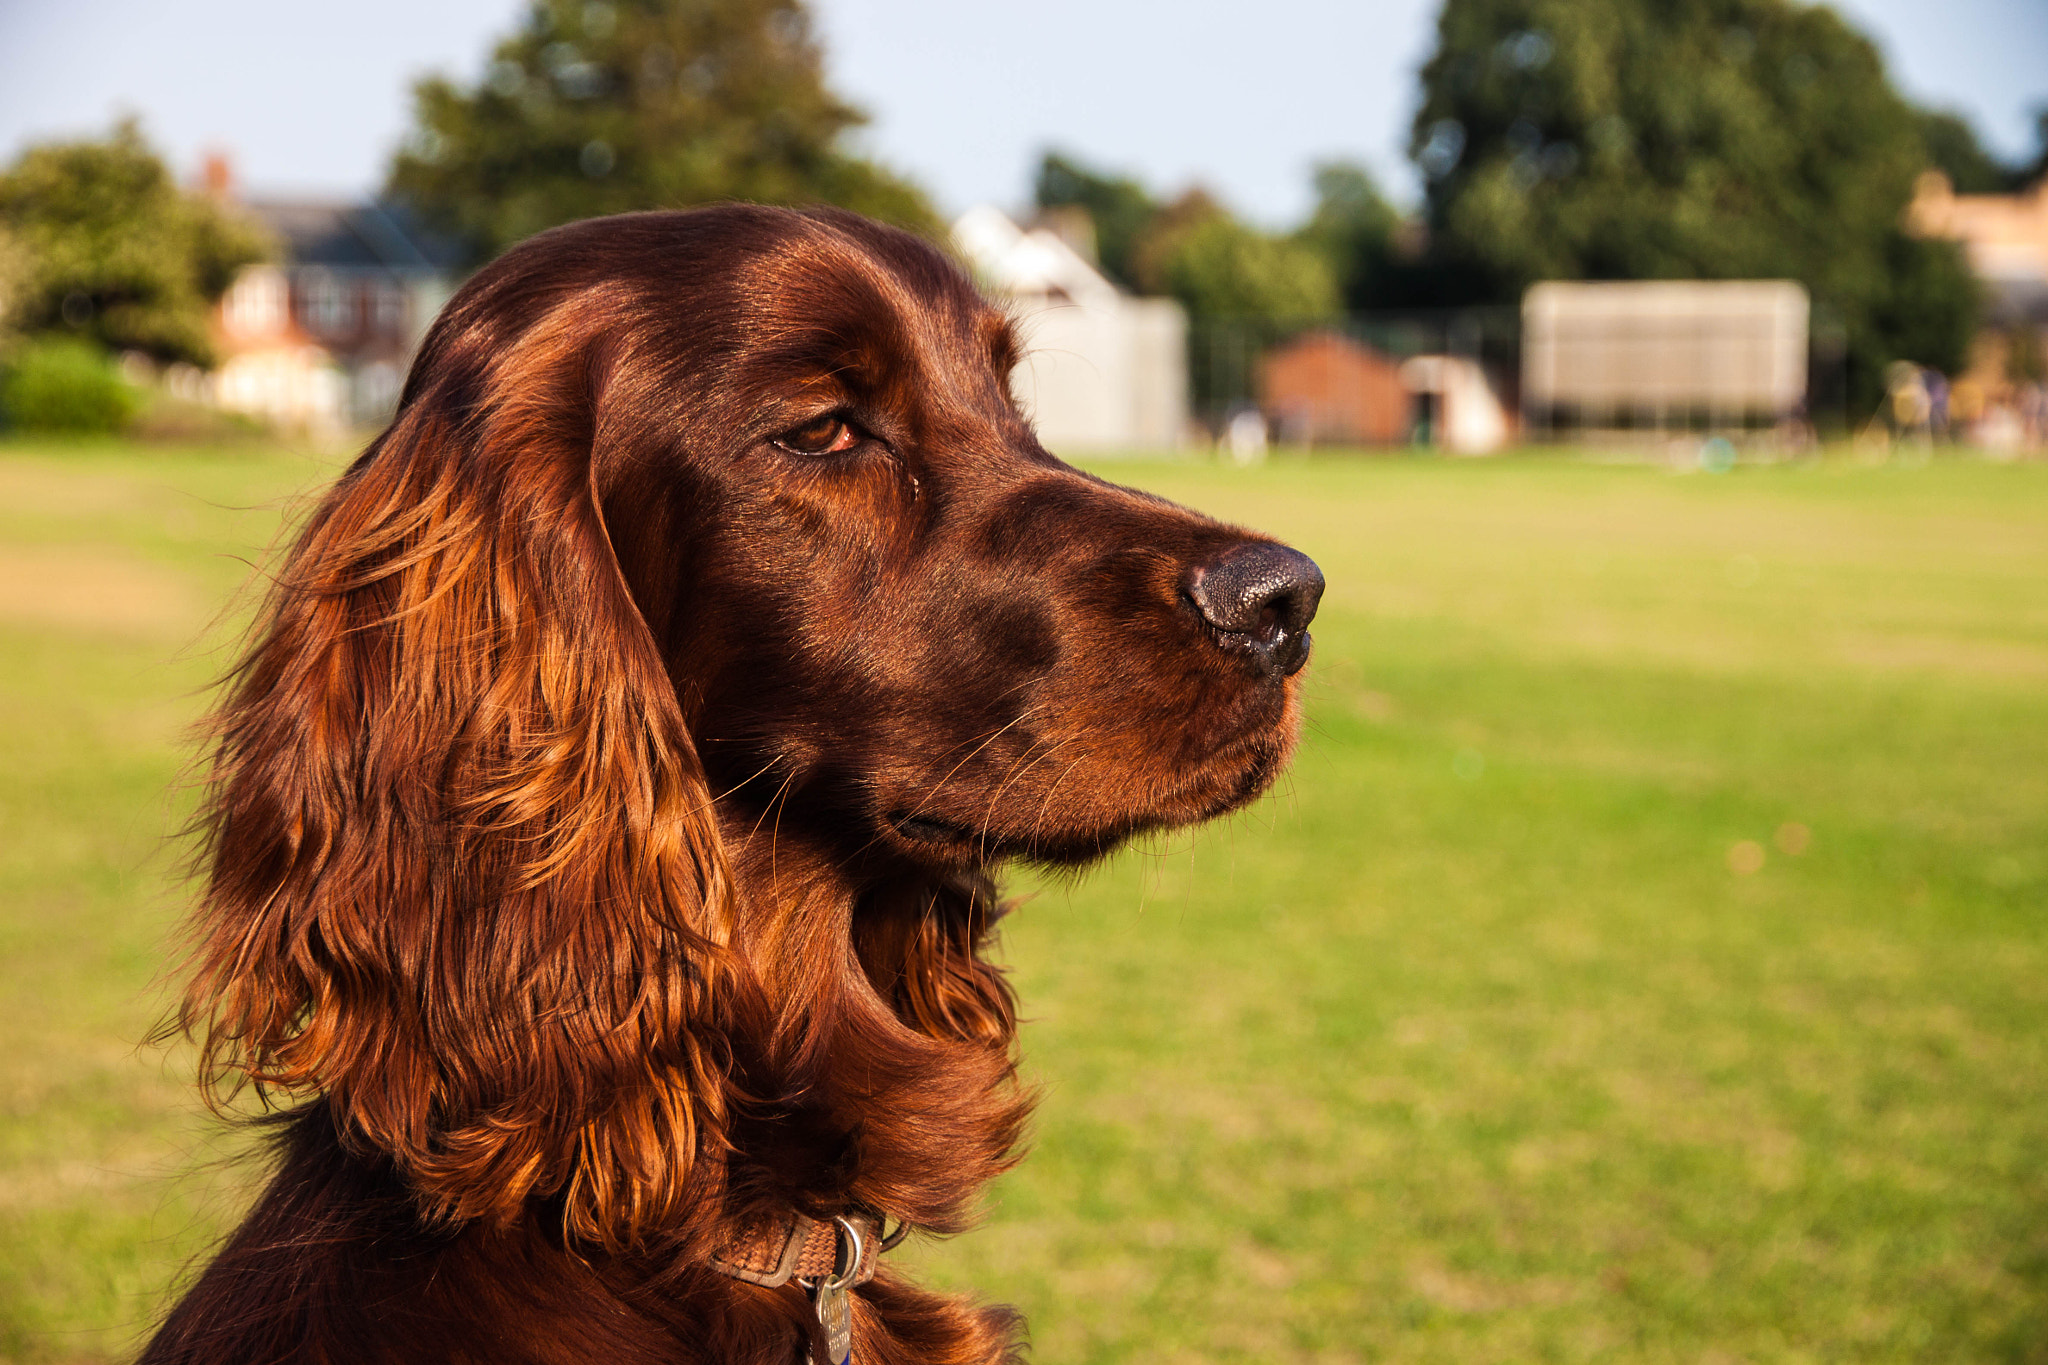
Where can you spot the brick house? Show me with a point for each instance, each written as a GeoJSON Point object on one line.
{"type": "Point", "coordinates": [321, 339]}
{"type": "Point", "coordinates": [1323, 388]}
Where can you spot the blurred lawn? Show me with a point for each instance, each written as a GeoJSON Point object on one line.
{"type": "Point", "coordinates": [1470, 1045]}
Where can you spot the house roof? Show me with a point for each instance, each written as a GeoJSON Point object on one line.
{"type": "Point", "coordinates": [353, 236]}
{"type": "Point", "coordinates": [1032, 262]}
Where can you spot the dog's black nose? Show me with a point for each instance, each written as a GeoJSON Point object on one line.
{"type": "Point", "coordinates": [1260, 598]}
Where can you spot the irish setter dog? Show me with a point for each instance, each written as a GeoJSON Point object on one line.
{"type": "Point", "coordinates": [601, 823]}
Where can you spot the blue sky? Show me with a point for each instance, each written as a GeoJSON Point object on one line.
{"type": "Point", "coordinates": [1242, 97]}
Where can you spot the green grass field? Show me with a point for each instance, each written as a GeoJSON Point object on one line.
{"type": "Point", "coordinates": [1646, 960]}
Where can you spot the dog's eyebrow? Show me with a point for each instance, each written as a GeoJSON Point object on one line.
{"type": "Point", "coordinates": [915, 319]}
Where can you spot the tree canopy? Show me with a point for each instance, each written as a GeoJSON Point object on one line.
{"type": "Point", "coordinates": [1953, 149]}
{"type": "Point", "coordinates": [1194, 249]}
{"type": "Point", "coordinates": [596, 106]}
{"type": "Point", "coordinates": [1119, 208]}
{"type": "Point", "coordinates": [1221, 268]}
{"type": "Point", "coordinates": [101, 244]}
{"type": "Point", "coordinates": [1359, 234]}
{"type": "Point", "coordinates": [1646, 139]}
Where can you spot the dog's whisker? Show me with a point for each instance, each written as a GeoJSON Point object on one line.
{"type": "Point", "coordinates": [933, 790]}
{"type": "Point", "coordinates": [1019, 770]}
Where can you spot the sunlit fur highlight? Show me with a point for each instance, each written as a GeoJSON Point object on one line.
{"type": "Point", "coordinates": [461, 882]}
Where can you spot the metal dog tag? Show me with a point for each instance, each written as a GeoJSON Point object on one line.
{"type": "Point", "coordinates": [831, 1302]}
{"type": "Point", "coordinates": [835, 1314]}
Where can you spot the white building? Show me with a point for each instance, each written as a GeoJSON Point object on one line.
{"type": "Point", "coordinates": [1460, 410]}
{"type": "Point", "coordinates": [1103, 370]}
{"type": "Point", "coordinates": [1594, 352]}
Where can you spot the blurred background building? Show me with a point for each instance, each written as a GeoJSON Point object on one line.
{"type": "Point", "coordinates": [1730, 353]}
{"type": "Point", "coordinates": [321, 336]}
{"type": "Point", "coordinates": [1104, 369]}
{"type": "Point", "coordinates": [1997, 399]}
{"type": "Point", "coordinates": [1414, 300]}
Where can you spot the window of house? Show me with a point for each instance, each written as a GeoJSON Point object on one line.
{"type": "Point", "coordinates": [324, 302]}
{"type": "Point", "coordinates": [256, 303]}
{"type": "Point", "coordinates": [388, 309]}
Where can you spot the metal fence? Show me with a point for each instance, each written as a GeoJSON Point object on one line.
{"type": "Point", "coordinates": [1230, 370]}
{"type": "Point", "coordinates": [1224, 355]}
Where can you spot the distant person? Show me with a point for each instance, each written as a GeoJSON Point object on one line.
{"type": "Point", "coordinates": [2033, 413]}
{"type": "Point", "coordinates": [1244, 436]}
{"type": "Point", "coordinates": [1967, 402]}
{"type": "Point", "coordinates": [1936, 384]}
{"type": "Point", "coordinates": [1907, 404]}
{"type": "Point", "coordinates": [1795, 434]}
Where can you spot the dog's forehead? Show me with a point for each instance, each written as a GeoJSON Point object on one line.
{"type": "Point", "coordinates": [870, 312]}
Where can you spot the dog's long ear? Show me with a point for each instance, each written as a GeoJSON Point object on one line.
{"type": "Point", "coordinates": [462, 873]}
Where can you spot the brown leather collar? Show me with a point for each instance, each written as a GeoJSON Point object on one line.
{"type": "Point", "coordinates": [777, 1248]}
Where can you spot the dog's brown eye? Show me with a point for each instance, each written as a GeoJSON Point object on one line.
{"type": "Point", "coordinates": [827, 435]}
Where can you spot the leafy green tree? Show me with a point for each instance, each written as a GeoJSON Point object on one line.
{"type": "Point", "coordinates": [1223, 269]}
{"type": "Point", "coordinates": [1242, 288]}
{"type": "Point", "coordinates": [1193, 248]}
{"type": "Point", "coordinates": [2035, 167]}
{"type": "Point", "coordinates": [1646, 139]}
{"type": "Point", "coordinates": [102, 245]}
{"type": "Point", "coordinates": [1120, 208]}
{"type": "Point", "coordinates": [2024, 363]}
{"type": "Point", "coordinates": [64, 383]}
{"type": "Point", "coordinates": [1953, 149]}
{"type": "Point", "coordinates": [596, 107]}
{"type": "Point", "coordinates": [1356, 230]}
{"type": "Point", "coordinates": [14, 278]}
{"type": "Point", "coordinates": [2038, 167]}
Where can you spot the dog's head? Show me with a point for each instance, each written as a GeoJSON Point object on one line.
{"type": "Point", "coordinates": [696, 533]}
{"type": "Point", "coordinates": [889, 611]}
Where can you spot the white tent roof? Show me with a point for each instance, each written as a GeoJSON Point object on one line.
{"type": "Point", "coordinates": [1027, 263]}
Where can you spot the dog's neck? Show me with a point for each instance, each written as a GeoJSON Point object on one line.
{"type": "Point", "coordinates": [890, 1088]}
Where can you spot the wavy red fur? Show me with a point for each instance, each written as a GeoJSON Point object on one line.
{"type": "Point", "coordinates": [600, 824]}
